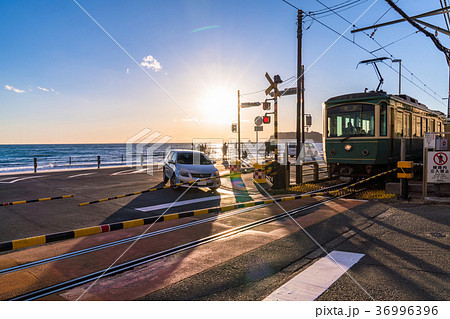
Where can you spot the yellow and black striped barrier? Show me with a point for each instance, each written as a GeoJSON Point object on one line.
{"type": "Point", "coordinates": [38, 240]}
{"type": "Point", "coordinates": [268, 170]}
{"type": "Point", "coordinates": [35, 200]}
{"type": "Point", "coordinates": [150, 190]}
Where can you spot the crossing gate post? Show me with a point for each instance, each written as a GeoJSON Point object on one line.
{"type": "Point", "coordinates": [316, 171]}
{"type": "Point", "coordinates": [259, 175]}
{"type": "Point", "coordinates": [235, 167]}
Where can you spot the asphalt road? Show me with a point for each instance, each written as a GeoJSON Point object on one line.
{"type": "Point", "coordinates": [33, 219]}
{"type": "Point", "coordinates": [406, 258]}
{"type": "Point", "coordinates": [405, 245]}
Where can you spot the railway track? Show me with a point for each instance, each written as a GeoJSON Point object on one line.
{"type": "Point", "coordinates": [134, 238]}
{"type": "Point", "coordinates": [152, 257]}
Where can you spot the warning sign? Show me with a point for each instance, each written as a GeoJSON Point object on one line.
{"type": "Point", "coordinates": [438, 167]}
{"type": "Point", "coordinates": [440, 158]}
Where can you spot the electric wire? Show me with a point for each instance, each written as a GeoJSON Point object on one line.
{"type": "Point", "coordinates": [366, 50]}
{"type": "Point", "coordinates": [384, 49]}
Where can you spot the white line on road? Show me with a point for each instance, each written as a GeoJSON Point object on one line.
{"type": "Point", "coordinates": [129, 172]}
{"type": "Point", "coordinates": [7, 178]}
{"type": "Point", "coordinates": [21, 179]}
{"type": "Point", "coordinates": [181, 203]}
{"type": "Point", "coordinates": [316, 279]}
{"type": "Point", "coordinates": [224, 191]}
{"type": "Point", "coordinates": [85, 174]}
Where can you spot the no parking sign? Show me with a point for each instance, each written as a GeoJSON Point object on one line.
{"type": "Point", "coordinates": [438, 167]}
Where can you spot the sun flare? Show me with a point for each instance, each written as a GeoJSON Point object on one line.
{"type": "Point", "coordinates": [219, 105]}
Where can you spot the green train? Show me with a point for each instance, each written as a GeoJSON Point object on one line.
{"type": "Point", "coordinates": [363, 131]}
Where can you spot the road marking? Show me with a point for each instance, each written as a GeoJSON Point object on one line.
{"type": "Point", "coordinates": [20, 179]}
{"type": "Point", "coordinates": [129, 172]}
{"type": "Point", "coordinates": [316, 279]}
{"type": "Point", "coordinates": [85, 174]}
{"type": "Point", "coordinates": [224, 191]}
{"type": "Point", "coordinates": [181, 203]}
{"type": "Point", "coordinates": [5, 179]}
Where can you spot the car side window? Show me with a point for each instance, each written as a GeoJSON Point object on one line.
{"type": "Point", "coordinates": [174, 157]}
{"type": "Point", "coordinates": [168, 156]}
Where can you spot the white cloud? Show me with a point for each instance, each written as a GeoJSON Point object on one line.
{"type": "Point", "coordinates": [150, 63]}
{"type": "Point", "coordinates": [43, 89]}
{"type": "Point", "coordinates": [11, 88]}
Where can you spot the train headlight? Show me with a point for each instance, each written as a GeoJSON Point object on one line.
{"type": "Point", "coordinates": [348, 147]}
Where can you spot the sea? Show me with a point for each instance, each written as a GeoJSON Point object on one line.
{"type": "Point", "coordinates": [20, 158]}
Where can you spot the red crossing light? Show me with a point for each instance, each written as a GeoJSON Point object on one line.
{"type": "Point", "coordinates": [266, 119]}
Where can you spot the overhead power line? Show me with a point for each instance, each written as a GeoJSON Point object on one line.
{"type": "Point", "coordinates": [366, 50]}
{"type": "Point", "coordinates": [384, 49]}
{"type": "Point", "coordinates": [371, 53]}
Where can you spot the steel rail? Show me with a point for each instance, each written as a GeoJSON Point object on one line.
{"type": "Point", "coordinates": [130, 239]}
{"type": "Point", "coordinates": [126, 240]}
{"type": "Point", "coordinates": [139, 261]}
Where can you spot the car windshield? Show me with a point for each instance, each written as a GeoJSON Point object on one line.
{"type": "Point", "coordinates": [191, 158]}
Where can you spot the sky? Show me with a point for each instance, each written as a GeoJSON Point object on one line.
{"type": "Point", "coordinates": [100, 71]}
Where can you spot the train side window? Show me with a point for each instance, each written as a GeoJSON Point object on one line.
{"type": "Point", "coordinates": [383, 119]}
{"type": "Point", "coordinates": [418, 131]}
{"type": "Point", "coordinates": [399, 124]}
{"type": "Point", "coordinates": [407, 125]}
{"type": "Point", "coordinates": [424, 126]}
{"type": "Point", "coordinates": [432, 128]}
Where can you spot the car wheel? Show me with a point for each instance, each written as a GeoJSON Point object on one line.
{"type": "Point", "coordinates": [166, 179]}
{"type": "Point", "coordinates": [173, 182]}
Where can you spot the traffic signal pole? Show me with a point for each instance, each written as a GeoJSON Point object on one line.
{"type": "Point", "coordinates": [300, 96]}
{"type": "Point", "coordinates": [275, 120]}
{"type": "Point", "coordinates": [239, 124]}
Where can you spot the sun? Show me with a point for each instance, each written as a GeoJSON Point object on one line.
{"type": "Point", "coordinates": [219, 105]}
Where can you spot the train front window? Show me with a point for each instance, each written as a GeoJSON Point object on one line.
{"type": "Point", "coordinates": [351, 120]}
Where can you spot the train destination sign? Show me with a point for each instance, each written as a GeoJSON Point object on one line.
{"type": "Point", "coordinates": [438, 170]}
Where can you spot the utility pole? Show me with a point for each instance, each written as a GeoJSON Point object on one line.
{"type": "Point", "coordinates": [275, 120]}
{"type": "Point", "coordinates": [239, 124]}
{"type": "Point", "coordinates": [300, 105]}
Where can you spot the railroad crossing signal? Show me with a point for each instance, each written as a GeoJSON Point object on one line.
{"type": "Point", "coordinates": [234, 128]}
{"type": "Point", "coordinates": [250, 104]}
{"type": "Point", "coordinates": [290, 91]}
{"type": "Point", "coordinates": [272, 84]}
{"type": "Point", "coordinates": [266, 119]}
{"type": "Point", "coordinates": [266, 106]}
{"type": "Point", "coordinates": [308, 119]}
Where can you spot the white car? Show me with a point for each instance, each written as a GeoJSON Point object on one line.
{"type": "Point", "coordinates": [182, 166]}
